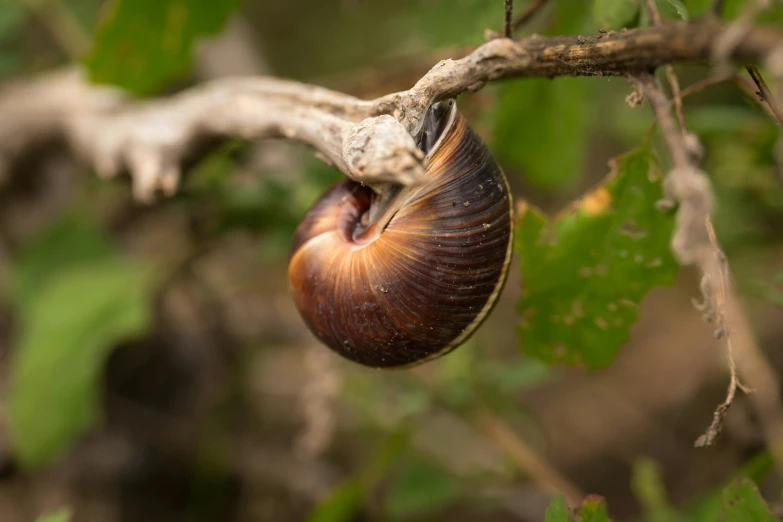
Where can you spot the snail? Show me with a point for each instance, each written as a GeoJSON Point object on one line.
{"type": "Point", "coordinates": [397, 276]}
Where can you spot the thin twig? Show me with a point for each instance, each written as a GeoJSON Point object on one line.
{"type": "Point", "coordinates": [694, 243]}
{"type": "Point", "coordinates": [713, 431]}
{"type": "Point", "coordinates": [694, 238]}
{"type": "Point", "coordinates": [503, 437]}
{"type": "Point", "coordinates": [62, 25]}
{"type": "Point", "coordinates": [690, 90]}
{"type": "Point", "coordinates": [705, 83]}
{"type": "Point", "coordinates": [507, 31]}
{"type": "Point", "coordinates": [526, 16]}
{"type": "Point", "coordinates": [769, 101]}
{"type": "Point", "coordinates": [736, 31]}
{"type": "Point", "coordinates": [674, 83]}
{"type": "Point", "coordinates": [651, 88]}
{"type": "Point", "coordinates": [652, 11]}
{"type": "Point", "coordinates": [764, 93]}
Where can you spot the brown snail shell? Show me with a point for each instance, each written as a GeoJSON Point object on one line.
{"type": "Point", "coordinates": [398, 276]}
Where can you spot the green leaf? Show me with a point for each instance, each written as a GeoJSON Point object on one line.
{"type": "Point", "coordinates": [614, 14]}
{"type": "Point", "coordinates": [143, 44]}
{"type": "Point", "coordinates": [594, 510]}
{"type": "Point", "coordinates": [74, 298]}
{"type": "Point", "coordinates": [680, 7]}
{"type": "Point", "coordinates": [585, 272]}
{"type": "Point", "coordinates": [61, 515]}
{"type": "Point", "coordinates": [550, 153]}
{"type": "Point", "coordinates": [742, 502]}
{"type": "Point", "coordinates": [557, 510]}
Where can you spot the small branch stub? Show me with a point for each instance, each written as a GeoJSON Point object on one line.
{"type": "Point", "coordinates": [380, 150]}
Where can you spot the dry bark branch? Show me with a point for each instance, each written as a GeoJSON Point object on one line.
{"type": "Point", "coordinates": [694, 243]}
{"type": "Point", "coordinates": [150, 138]}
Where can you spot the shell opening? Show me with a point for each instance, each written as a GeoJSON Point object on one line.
{"type": "Point", "coordinates": [388, 199]}
{"type": "Point", "coordinates": [438, 120]}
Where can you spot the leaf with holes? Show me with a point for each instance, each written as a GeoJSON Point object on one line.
{"type": "Point", "coordinates": [586, 271]}
{"type": "Point", "coordinates": [742, 502]}
{"type": "Point", "coordinates": [143, 44]}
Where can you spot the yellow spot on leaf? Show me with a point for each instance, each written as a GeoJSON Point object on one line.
{"type": "Point", "coordinates": [596, 202]}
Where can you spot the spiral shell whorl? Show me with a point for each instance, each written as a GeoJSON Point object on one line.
{"type": "Point", "coordinates": [421, 286]}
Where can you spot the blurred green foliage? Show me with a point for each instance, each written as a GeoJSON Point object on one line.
{"type": "Point", "coordinates": [12, 16]}
{"type": "Point", "coordinates": [593, 510]}
{"type": "Point", "coordinates": [344, 502]}
{"type": "Point", "coordinates": [585, 273]}
{"type": "Point", "coordinates": [539, 122]}
{"type": "Point", "coordinates": [680, 8]}
{"type": "Point", "coordinates": [75, 297]}
{"type": "Point", "coordinates": [269, 202]}
{"type": "Point", "coordinates": [557, 510]}
{"type": "Point", "coordinates": [614, 14]}
{"type": "Point", "coordinates": [649, 489]}
{"type": "Point", "coordinates": [62, 515]}
{"type": "Point", "coordinates": [141, 45]}
{"type": "Point", "coordinates": [740, 502]}
{"type": "Point", "coordinates": [419, 489]}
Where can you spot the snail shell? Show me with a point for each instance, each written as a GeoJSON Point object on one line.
{"type": "Point", "coordinates": [398, 276]}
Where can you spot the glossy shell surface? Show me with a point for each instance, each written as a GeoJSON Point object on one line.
{"type": "Point", "coordinates": [419, 287]}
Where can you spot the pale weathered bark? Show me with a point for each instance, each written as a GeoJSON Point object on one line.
{"type": "Point", "coordinates": [150, 138]}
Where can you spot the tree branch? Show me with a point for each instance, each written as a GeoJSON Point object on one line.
{"type": "Point", "coordinates": [765, 94]}
{"type": "Point", "coordinates": [528, 14]}
{"type": "Point", "coordinates": [371, 141]}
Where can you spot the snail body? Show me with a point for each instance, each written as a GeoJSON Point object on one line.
{"type": "Point", "coordinates": [397, 276]}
